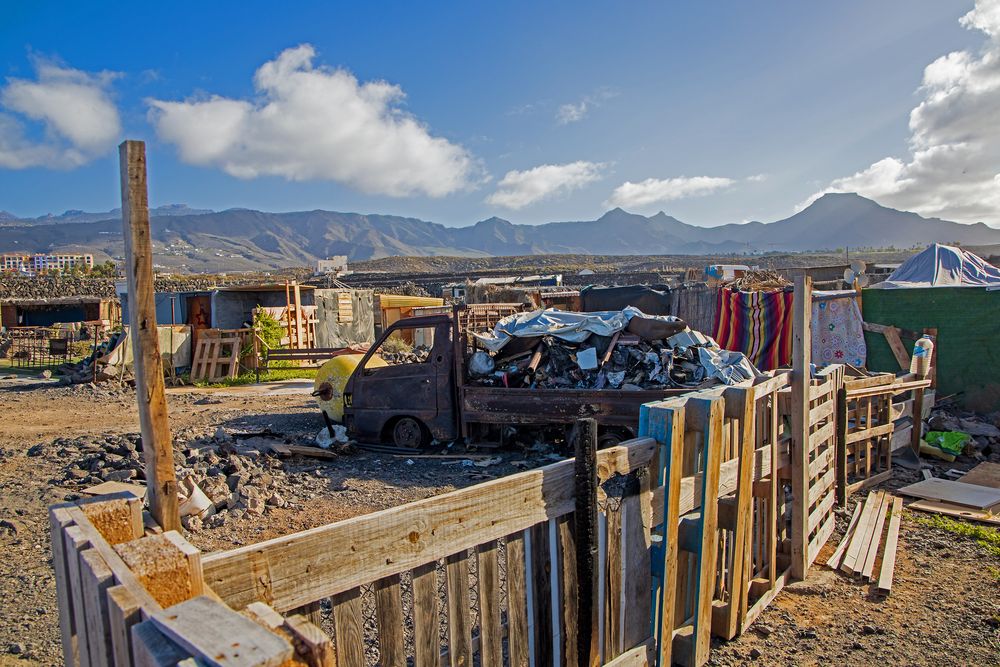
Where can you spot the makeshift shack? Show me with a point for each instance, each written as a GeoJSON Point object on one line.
{"type": "Point", "coordinates": [957, 293]}
{"type": "Point", "coordinates": [61, 310]}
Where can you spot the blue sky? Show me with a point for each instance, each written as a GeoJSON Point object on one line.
{"type": "Point", "coordinates": [763, 105]}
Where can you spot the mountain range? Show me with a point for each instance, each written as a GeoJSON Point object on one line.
{"type": "Point", "coordinates": [243, 239]}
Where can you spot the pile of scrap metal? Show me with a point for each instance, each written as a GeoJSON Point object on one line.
{"type": "Point", "coordinates": [625, 349]}
{"type": "Point", "coordinates": [97, 366]}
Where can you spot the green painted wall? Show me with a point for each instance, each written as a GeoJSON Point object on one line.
{"type": "Point", "coordinates": [968, 345]}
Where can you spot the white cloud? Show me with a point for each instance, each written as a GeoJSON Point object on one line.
{"type": "Point", "coordinates": [518, 189]}
{"type": "Point", "coordinates": [570, 113]}
{"type": "Point", "coordinates": [757, 178]}
{"type": "Point", "coordinates": [953, 170]}
{"type": "Point", "coordinates": [78, 118]}
{"type": "Point", "coordinates": [656, 190]}
{"type": "Point", "coordinates": [317, 123]}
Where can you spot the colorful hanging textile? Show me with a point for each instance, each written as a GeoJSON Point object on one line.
{"type": "Point", "coordinates": [838, 335]}
{"type": "Point", "coordinates": [758, 324]}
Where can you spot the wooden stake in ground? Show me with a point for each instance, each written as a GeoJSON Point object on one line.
{"type": "Point", "coordinates": [801, 375]}
{"type": "Point", "coordinates": [157, 446]}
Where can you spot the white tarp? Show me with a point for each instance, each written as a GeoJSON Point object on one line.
{"type": "Point", "coordinates": [943, 266]}
{"type": "Point", "coordinates": [568, 326]}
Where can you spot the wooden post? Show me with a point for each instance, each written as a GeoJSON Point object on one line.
{"type": "Point", "coordinates": [288, 312]}
{"type": "Point", "coordinates": [801, 354]}
{"type": "Point", "coordinates": [157, 447]}
{"type": "Point", "coordinates": [297, 292]}
{"type": "Point", "coordinates": [586, 541]}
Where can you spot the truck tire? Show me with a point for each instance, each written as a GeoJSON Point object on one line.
{"type": "Point", "coordinates": [409, 433]}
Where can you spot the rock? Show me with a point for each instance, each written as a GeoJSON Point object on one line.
{"type": "Point", "coordinates": [36, 450]}
{"type": "Point", "coordinates": [9, 377]}
{"type": "Point", "coordinates": [11, 526]}
{"type": "Point", "coordinates": [806, 634]}
{"type": "Point", "coordinates": [221, 435]}
{"type": "Point", "coordinates": [755, 653]}
{"type": "Point", "coordinates": [45, 375]}
{"type": "Point", "coordinates": [119, 475]}
{"type": "Point", "coordinates": [15, 649]}
{"type": "Point", "coordinates": [978, 428]}
{"type": "Point", "coordinates": [193, 523]}
{"type": "Point", "coordinates": [763, 629]}
{"type": "Point", "coordinates": [255, 506]}
{"type": "Point", "coordinates": [276, 500]}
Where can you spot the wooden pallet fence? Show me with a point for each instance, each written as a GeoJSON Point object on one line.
{"type": "Point", "coordinates": [130, 594]}
{"type": "Point", "coordinates": [458, 543]}
{"type": "Point", "coordinates": [216, 357]}
{"type": "Point", "coordinates": [719, 512]}
{"type": "Point", "coordinates": [876, 418]}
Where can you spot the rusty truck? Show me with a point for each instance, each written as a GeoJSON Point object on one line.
{"type": "Point", "coordinates": [429, 398]}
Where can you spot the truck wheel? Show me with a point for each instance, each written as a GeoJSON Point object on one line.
{"type": "Point", "coordinates": [409, 433]}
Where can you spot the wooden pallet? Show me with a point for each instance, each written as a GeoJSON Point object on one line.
{"type": "Point", "coordinates": [216, 358]}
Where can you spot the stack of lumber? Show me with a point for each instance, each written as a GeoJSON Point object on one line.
{"type": "Point", "coordinates": [858, 552]}
{"type": "Point", "coordinates": [974, 496]}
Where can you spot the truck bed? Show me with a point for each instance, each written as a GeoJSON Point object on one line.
{"type": "Point", "coordinates": [499, 405]}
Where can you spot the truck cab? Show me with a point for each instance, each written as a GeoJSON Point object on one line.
{"type": "Point", "coordinates": [412, 399]}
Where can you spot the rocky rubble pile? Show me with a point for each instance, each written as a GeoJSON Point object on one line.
{"type": "Point", "coordinates": [234, 477]}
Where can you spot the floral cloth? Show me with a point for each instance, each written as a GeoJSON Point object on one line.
{"type": "Point", "coordinates": [837, 333]}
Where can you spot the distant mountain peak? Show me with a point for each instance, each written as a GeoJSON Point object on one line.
{"type": "Point", "coordinates": [4, 215]}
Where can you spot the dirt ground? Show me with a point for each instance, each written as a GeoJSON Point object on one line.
{"type": "Point", "coordinates": [944, 607]}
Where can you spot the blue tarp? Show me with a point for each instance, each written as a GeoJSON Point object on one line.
{"type": "Point", "coordinates": [943, 266]}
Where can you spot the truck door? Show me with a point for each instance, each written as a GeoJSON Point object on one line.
{"type": "Point", "coordinates": [415, 383]}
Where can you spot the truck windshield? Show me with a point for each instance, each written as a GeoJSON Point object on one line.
{"type": "Point", "coordinates": [405, 346]}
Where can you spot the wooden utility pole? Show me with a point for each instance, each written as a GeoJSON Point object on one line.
{"type": "Point", "coordinates": [801, 375]}
{"type": "Point", "coordinates": [157, 446]}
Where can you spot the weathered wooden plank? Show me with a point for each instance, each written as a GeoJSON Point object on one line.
{"type": "Point", "coordinates": [669, 424]}
{"type": "Point", "coordinates": [96, 579]}
{"type": "Point", "coordinates": [389, 619]}
{"type": "Point", "coordinates": [873, 432]}
{"type": "Point", "coordinates": [58, 521]}
{"type": "Point", "coordinates": [490, 631]}
{"type": "Point", "coordinates": [76, 541]}
{"type": "Point", "coordinates": [299, 568]}
{"type": "Point", "coordinates": [614, 577]}
{"type": "Point", "coordinates": [349, 628]}
{"type": "Point", "coordinates": [217, 635]}
{"type": "Point", "coordinates": [706, 558]}
{"type": "Point", "coordinates": [459, 619]}
{"type": "Point", "coordinates": [889, 553]}
{"type": "Point", "coordinates": [896, 345]}
{"type": "Point", "coordinates": [838, 554]}
{"type": "Point", "coordinates": [517, 609]}
{"type": "Point", "coordinates": [868, 564]}
{"type": "Point", "coordinates": [637, 581]}
{"type": "Point", "coordinates": [426, 620]}
{"type": "Point", "coordinates": [123, 613]}
{"type": "Point", "coordinates": [569, 589]}
{"type": "Point", "coordinates": [540, 601]}
{"type": "Point", "coordinates": [801, 348]}
{"type": "Point", "coordinates": [151, 648]}
{"type": "Point", "coordinates": [850, 562]}
{"type": "Point", "coordinates": [642, 655]}
{"type": "Point", "coordinates": [157, 449]}
{"type": "Point", "coordinates": [959, 493]}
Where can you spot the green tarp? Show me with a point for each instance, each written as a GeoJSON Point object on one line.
{"type": "Point", "coordinates": [968, 345]}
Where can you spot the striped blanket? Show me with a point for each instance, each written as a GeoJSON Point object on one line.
{"type": "Point", "coordinates": [758, 324]}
